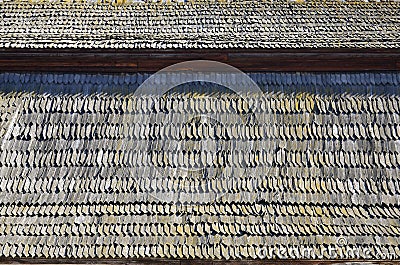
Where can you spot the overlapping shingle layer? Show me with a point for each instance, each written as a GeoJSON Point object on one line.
{"type": "Point", "coordinates": [244, 24]}
{"type": "Point", "coordinates": [81, 172]}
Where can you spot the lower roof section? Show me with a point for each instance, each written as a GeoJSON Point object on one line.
{"type": "Point", "coordinates": [91, 170]}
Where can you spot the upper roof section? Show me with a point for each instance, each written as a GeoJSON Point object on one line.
{"type": "Point", "coordinates": [199, 25]}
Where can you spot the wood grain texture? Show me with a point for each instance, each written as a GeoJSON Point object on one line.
{"type": "Point", "coordinates": [154, 60]}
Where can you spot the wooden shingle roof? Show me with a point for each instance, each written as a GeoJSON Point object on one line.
{"type": "Point", "coordinates": [199, 25]}
{"type": "Point", "coordinates": [316, 166]}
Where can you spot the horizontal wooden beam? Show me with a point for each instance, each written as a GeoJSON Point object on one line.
{"type": "Point", "coordinates": [154, 60]}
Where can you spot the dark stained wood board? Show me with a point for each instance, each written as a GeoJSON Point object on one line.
{"type": "Point", "coordinates": [114, 61]}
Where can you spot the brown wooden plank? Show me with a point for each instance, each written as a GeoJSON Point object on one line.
{"type": "Point", "coordinates": [154, 60]}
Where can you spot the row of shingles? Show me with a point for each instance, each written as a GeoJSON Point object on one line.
{"type": "Point", "coordinates": [140, 210]}
{"type": "Point", "coordinates": [278, 232]}
{"type": "Point", "coordinates": [217, 251]}
{"type": "Point", "coordinates": [265, 104]}
{"type": "Point", "coordinates": [321, 83]}
{"type": "Point", "coordinates": [276, 235]}
{"type": "Point", "coordinates": [359, 187]}
{"type": "Point", "coordinates": [283, 78]}
{"type": "Point", "coordinates": [163, 153]}
{"type": "Point", "coordinates": [85, 156]}
{"type": "Point", "coordinates": [234, 189]}
{"type": "Point", "coordinates": [42, 249]}
{"type": "Point", "coordinates": [185, 37]}
{"type": "Point", "coordinates": [21, 180]}
{"type": "Point", "coordinates": [331, 83]}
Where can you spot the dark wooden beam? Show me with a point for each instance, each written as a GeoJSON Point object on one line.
{"type": "Point", "coordinates": [153, 60]}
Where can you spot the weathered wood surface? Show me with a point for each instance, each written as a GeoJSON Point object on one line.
{"type": "Point", "coordinates": [153, 60]}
